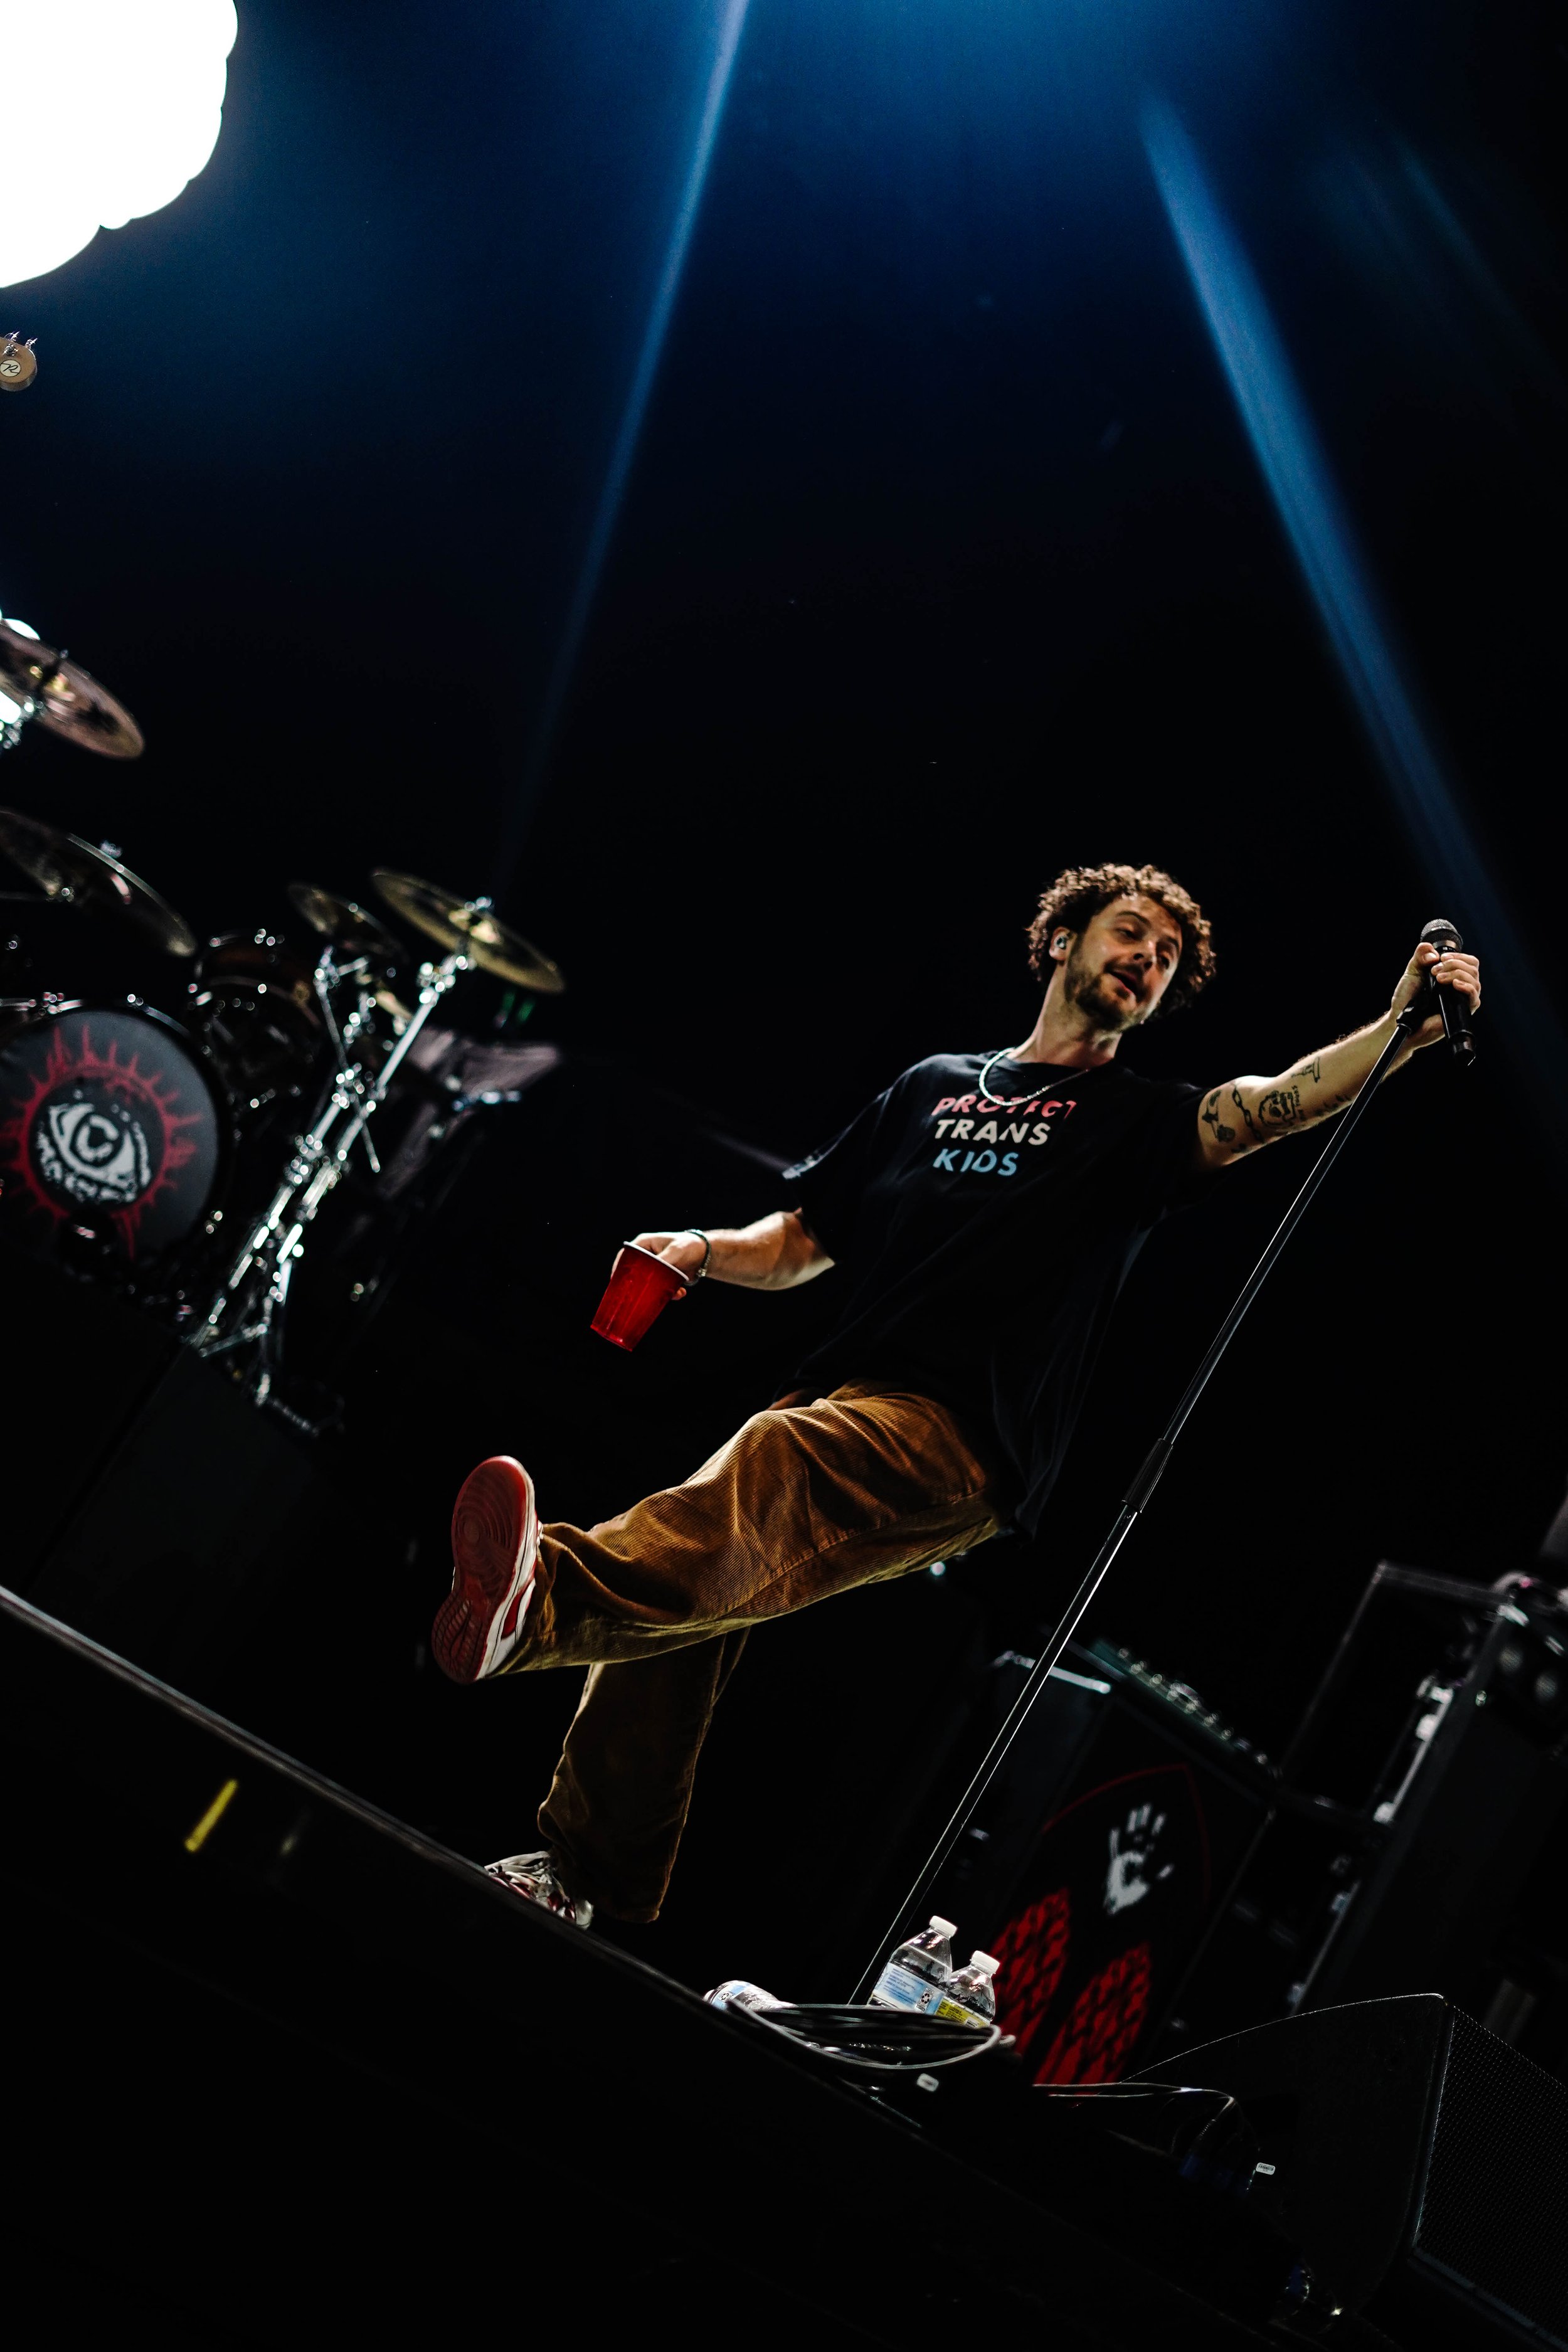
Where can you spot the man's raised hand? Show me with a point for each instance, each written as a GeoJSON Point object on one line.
{"type": "Point", "coordinates": [1451, 970]}
{"type": "Point", "coordinates": [1246, 1113]}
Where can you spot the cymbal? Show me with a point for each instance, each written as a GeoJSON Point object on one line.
{"type": "Point", "coordinates": [471, 925]}
{"type": "Point", "coordinates": [346, 924]}
{"type": "Point", "coordinates": [64, 866]}
{"type": "Point", "coordinates": [64, 699]}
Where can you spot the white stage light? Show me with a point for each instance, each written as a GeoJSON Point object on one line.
{"type": "Point", "coordinates": [112, 105]}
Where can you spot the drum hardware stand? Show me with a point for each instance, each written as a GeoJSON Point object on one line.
{"type": "Point", "coordinates": [319, 1158]}
{"type": "Point", "coordinates": [1136, 1501]}
{"type": "Point", "coordinates": [326, 976]}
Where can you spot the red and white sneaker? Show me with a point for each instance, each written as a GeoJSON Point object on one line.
{"type": "Point", "coordinates": [495, 1548]}
{"type": "Point", "coordinates": [535, 1877]}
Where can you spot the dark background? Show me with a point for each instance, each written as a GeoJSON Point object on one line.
{"type": "Point", "coordinates": [944, 563]}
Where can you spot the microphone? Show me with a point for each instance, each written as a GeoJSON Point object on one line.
{"type": "Point", "coordinates": [1439, 933]}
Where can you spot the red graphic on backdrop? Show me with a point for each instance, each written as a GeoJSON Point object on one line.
{"type": "Point", "coordinates": [1106, 2019]}
{"type": "Point", "coordinates": [97, 1132]}
{"type": "Point", "coordinates": [1032, 1952]}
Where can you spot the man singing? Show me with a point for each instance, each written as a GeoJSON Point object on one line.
{"type": "Point", "coordinates": [978, 1219]}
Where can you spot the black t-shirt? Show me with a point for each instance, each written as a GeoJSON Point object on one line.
{"type": "Point", "coordinates": [980, 1241]}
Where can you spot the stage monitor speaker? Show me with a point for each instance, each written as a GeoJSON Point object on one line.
{"type": "Point", "coordinates": [1420, 2164]}
{"type": "Point", "coordinates": [1428, 1791]}
{"type": "Point", "coordinates": [1101, 1852]}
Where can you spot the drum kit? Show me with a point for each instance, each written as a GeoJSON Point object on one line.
{"type": "Point", "coordinates": [181, 1151]}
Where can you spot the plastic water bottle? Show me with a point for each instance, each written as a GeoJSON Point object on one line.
{"type": "Point", "coordinates": [736, 1992]}
{"type": "Point", "coordinates": [917, 1974]}
{"type": "Point", "coordinates": [970, 1995]}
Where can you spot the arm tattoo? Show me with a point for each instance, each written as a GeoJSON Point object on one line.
{"type": "Point", "coordinates": [1253, 1136]}
{"type": "Point", "coordinates": [1276, 1110]}
{"type": "Point", "coordinates": [1280, 1106]}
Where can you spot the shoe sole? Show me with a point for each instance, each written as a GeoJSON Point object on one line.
{"type": "Point", "coordinates": [494, 1532]}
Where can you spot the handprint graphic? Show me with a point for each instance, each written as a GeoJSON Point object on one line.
{"type": "Point", "coordinates": [1131, 1875]}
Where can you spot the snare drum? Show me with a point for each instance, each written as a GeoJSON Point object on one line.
{"type": "Point", "coordinates": [113, 1126]}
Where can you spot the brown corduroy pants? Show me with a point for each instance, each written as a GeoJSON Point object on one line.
{"type": "Point", "coordinates": [809, 1499]}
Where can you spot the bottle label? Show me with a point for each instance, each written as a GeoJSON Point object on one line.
{"type": "Point", "coordinates": [957, 2012]}
{"type": "Point", "coordinates": [736, 1992]}
{"type": "Point", "coordinates": [899, 1987]}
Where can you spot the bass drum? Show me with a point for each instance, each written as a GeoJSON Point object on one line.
{"type": "Point", "coordinates": [112, 1132]}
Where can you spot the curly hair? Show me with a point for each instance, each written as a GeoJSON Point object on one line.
{"type": "Point", "coordinates": [1076, 896]}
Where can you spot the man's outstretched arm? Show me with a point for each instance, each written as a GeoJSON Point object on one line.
{"type": "Point", "coordinates": [1246, 1113]}
{"type": "Point", "coordinates": [774, 1254]}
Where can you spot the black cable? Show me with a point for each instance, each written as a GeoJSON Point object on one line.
{"type": "Point", "coordinates": [875, 2041]}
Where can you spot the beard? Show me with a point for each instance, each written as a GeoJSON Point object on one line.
{"type": "Point", "coordinates": [1092, 993]}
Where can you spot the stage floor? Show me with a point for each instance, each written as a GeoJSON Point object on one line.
{"type": "Point", "coordinates": [282, 2064]}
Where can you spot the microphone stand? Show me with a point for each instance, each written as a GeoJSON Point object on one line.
{"type": "Point", "coordinates": [1136, 1500]}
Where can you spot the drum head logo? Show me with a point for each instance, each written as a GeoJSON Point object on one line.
{"type": "Point", "coordinates": [94, 1146]}
{"type": "Point", "coordinates": [106, 1122]}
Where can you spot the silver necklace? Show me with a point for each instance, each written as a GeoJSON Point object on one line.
{"type": "Point", "coordinates": [1004, 1054]}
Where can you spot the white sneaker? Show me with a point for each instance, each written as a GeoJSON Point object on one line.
{"type": "Point", "coordinates": [495, 1548]}
{"type": "Point", "coordinates": [535, 1877]}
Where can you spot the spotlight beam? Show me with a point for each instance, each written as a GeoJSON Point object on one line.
{"type": "Point", "coordinates": [731, 25]}
{"type": "Point", "coordinates": [1301, 485]}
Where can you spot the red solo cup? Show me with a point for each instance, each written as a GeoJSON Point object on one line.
{"type": "Point", "coordinates": [640, 1287]}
